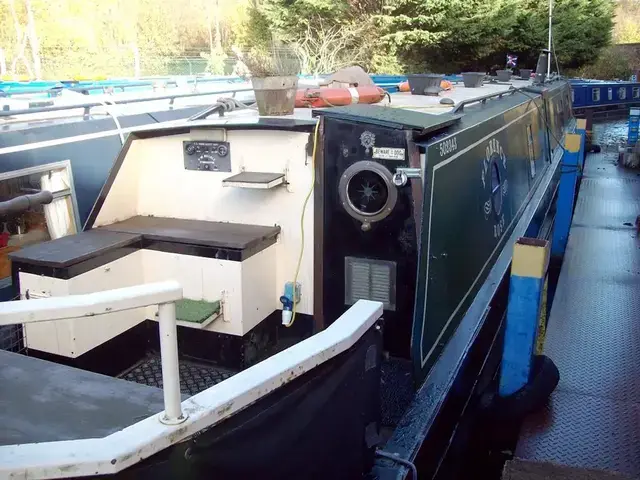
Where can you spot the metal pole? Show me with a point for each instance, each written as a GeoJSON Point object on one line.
{"type": "Point", "coordinates": [550, 45]}
{"type": "Point", "coordinates": [170, 371]}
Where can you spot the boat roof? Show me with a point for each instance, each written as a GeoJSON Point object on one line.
{"type": "Point", "coordinates": [156, 102]}
{"type": "Point", "coordinates": [302, 117]}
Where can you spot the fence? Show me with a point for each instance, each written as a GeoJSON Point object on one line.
{"type": "Point", "coordinates": [70, 65]}
{"type": "Point", "coordinates": [63, 64]}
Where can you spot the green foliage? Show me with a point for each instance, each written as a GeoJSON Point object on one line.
{"type": "Point", "coordinates": [611, 65]}
{"type": "Point", "coordinates": [258, 31]}
{"type": "Point", "coordinates": [582, 29]}
{"type": "Point", "coordinates": [627, 29]}
{"type": "Point", "coordinates": [477, 34]}
{"type": "Point", "coordinates": [293, 18]}
{"type": "Point", "coordinates": [120, 37]}
{"type": "Point", "coordinates": [216, 62]}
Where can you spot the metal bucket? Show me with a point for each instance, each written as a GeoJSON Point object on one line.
{"type": "Point", "coordinates": [425, 83]}
{"type": "Point", "coordinates": [275, 95]}
{"type": "Point", "coordinates": [473, 79]}
{"type": "Point", "coordinates": [504, 75]}
{"type": "Point", "coordinates": [525, 73]}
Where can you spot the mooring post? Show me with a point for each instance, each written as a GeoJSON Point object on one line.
{"type": "Point", "coordinates": [571, 165]}
{"type": "Point", "coordinates": [526, 287]}
{"type": "Point", "coordinates": [634, 126]}
{"type": "Point", "coordinates": [588, 114]}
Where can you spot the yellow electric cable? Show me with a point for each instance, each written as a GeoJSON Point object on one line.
{"type": "Point", "coordinates": [304, 209]}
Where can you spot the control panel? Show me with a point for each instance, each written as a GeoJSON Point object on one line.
{"type": "Point", "coordinates": [207, 156]}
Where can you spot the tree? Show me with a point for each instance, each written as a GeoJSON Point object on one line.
{"type": "Point", "coordinates": [582, 29]}
{"type": "Point", "coordinates": [627, 28]}
{"type": "Point", "coordinates": [327, 34]}
{"type": "Point", "coordinates": [65, 38]}
{"type": "Point", "coordinates": [449, 35]}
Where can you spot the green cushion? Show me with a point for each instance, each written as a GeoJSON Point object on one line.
{"type": "Point", "coordinates": [196, 311]}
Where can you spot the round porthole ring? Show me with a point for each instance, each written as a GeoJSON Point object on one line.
{"type": "Point", "coordinates": [386, 176]}
{"type": "Point", "coordinates": [495, 206]}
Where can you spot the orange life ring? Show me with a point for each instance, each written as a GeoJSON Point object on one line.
{"type": "Point", "coordinates": [444, 85]}
{"type": "Point", "coordinates": [337, 97]}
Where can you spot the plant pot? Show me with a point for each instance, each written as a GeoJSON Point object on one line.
{"type": "Point", "coordinates": [473, 79]}
{"type": "Point", "coordinates": [525, 73]}
{"type": "Point", "coordinates": [504, 75]}
{"type": "Point", "coordinates": [425, 83]}
{"type": "Point", "coordinates": [275, 95]}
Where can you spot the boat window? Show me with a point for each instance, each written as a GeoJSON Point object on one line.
{"type": "Point", "coordinates": [636, 92]}
{"type": "Point", "coordinates": [622, 93]}
{"type": "Point", "coordinates": [532, 155]}
{"type": "Point", "coordinates": [39, 222]}
{"type": "Point", "coordinates": [610, 93]}
{"type": "Point", "coordinates": [595, 94]}
{"type": "Point", "coordinates": [367, 192]}
{"type": "Point", "coordinates": [573, 96]}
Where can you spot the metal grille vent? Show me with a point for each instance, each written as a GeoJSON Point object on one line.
{"type": "Point", "coordinates": [370, 280]}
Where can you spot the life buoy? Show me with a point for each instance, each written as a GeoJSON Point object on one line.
{"type": "Point", "coordinates": [444, 85]}
{"type": "Point", "coordinates": [337, 97]}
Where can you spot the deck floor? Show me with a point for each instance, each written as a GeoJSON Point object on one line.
{"type": "Point", "coordinates": [195, 377]}
{"type": "Point", "coordinates": [593, 419]}
{"type": "Point", "coordinates": [42, 401]}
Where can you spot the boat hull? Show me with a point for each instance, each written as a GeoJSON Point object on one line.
{"type": "Point", "coordinates": [290, 433]}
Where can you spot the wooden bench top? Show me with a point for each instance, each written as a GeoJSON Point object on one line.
{"type": "Point", "coordinates": [67, 252]}
{"type": "Point", "coordinates": [235, 236]}
{"type": "Point", "coordinates": [73, 249]}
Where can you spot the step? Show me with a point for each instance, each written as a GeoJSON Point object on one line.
{"type": "Point", "coordinates": [196, 313]}
{"type": "Point", "coordinates": [263, 180]}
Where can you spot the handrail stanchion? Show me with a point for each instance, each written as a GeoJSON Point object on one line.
{"type": "Point", "coordinates": [170, 371]}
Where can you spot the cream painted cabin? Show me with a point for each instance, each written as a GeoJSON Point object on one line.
{"type": "Point", "coordinates": [236, 243]}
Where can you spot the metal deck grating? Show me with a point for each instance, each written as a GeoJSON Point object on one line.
{"type": "Point", "coordinates": [593, 419]}
{"type": "Point", "coordinates": [194, 377]}
{"type": "Point", "coordinates": [397, 389]}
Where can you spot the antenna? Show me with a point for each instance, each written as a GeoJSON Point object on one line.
{"type": "Point", "coordinates": [550, 45]}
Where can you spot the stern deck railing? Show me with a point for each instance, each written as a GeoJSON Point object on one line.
{"type": "Point", "coordinates": [163, 294]}
{"type": "Point", "coordinates": [139, 441]}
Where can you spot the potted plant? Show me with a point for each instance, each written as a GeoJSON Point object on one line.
{"type": "Point", "coordinates": [504, 75]}
{"type": "Point", "coordinates": [425, 83]}
{"type": "Point", "coordinates": [274, 76]}
{"type": "Point", "coordinates": [473, 79]}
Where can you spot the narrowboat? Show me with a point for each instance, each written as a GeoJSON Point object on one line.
{"type": "Point", "coordinates": [313, 296]}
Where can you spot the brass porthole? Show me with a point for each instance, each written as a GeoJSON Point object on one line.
{"type": "Point", "coordinates": [367, 191]}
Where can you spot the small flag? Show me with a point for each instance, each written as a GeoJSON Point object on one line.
{"type": "Point", "coordinates": [512, 60]}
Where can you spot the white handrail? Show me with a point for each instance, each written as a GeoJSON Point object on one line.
{"type": "Point", "coordinates": [163, 294]}
{"type": "Point", "coordinates": [90, 304]}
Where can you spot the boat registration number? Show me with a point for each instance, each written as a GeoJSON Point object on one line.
{"type": "Point", "coordinates": [448, 146]}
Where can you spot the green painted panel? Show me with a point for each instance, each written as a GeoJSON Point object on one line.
{"type": "Point", "coordinates": [477, 182]}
